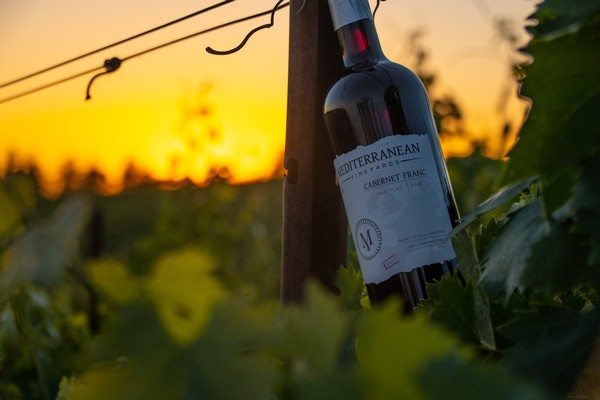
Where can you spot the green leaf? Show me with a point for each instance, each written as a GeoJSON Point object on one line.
{"type": "Point", "coordinates": [486, 234]}
{"type": "Point", "coordinates": [507, 255]}
{"type": "Point", "coordinates": [393, 351]}
{"type": "Point", "coordinates": [66, 388]}
{"type": "Point", "coordinates": [501, 198]}
{"type": "Point", "coordinates": [557, 263]}
{"type": "Point", "coordinates": [133, 358]}
{"type": "Point", "coordinates": [229, 361]}
{"type": "Point", "coordinates": [38, 341]}
{"type": "Point", "coordinates": [138, 359]}
{"type": "Point", "coordinates": [341, 384]}
{"type": "Point", "coordinates": [586, 200]}
{"type": "Point", "coordinates": [452, 378]}
{"type": "Point", "coordinates": [181, 285]}
{"type": "Point", "coordinates": [352, 287]}
{"type": "Point", "coordinates": [483, 319]}
{"type": "Point", "coordinates": [551, 344]}
{"type": "Point", "coordinates": [557, 17]}
{"type": "Point", "coordinates": [563, 126]}
{"type": "Point", "coordinates": [42, 252]}
{"type": "Point", "coordinates": [468, 262]}
{"type": "Point", "coordinates": [114, 282]}
{"type": "Point", "coordinates": [184, 291]}
{"type": "Point", "coordinates": [313, 334]}
{"type": "Point", "coordinates": [315, 343]}
{"type": "Point", "coordinates": [462, 309]}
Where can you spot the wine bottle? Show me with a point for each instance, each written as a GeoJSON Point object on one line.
{"type": "Point", "coordinates": [389, 165]}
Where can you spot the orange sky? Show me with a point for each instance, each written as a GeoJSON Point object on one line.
{"type": "Point", "coordinates": [180, 112]}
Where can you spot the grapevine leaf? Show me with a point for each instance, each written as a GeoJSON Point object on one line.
{"type": "Point", "coordinates": [551, 344]}
{"type": "Point", "coordinates": [184, 292]}
{"type": "Point", "coordinates": [318, 344]}
{"type": "Point", "coordinates": [483, 318]}
{"type": "Point", "coordinates": [227, 361]}
{"type": "Point", "coordinates": [65, 388]}
{"type": "Point", "coordinates": [563, 126]}
{"type": "Point", "coordinates": [42, 253]}
{"type": "Point", "coordinates": [114, 282]}
{"type": "Point", "coordinates": [145, 363]}
{"type": "Point", "coordinates": [462, 309]}
{"type": "Point", "coordinates": [557, 16]}
{"type": "Point", "coordinates": [506, 256]}
{"type": "Point", "coordinates": [136, 359]}
{"type": "Point", "coordinates": [392, 351]}
{"type": "Point", "coordinates": [557, 263]}
{"type": "Point", "coordinates": [313, 335]}
{"type": "Point", "coordinates": [351, 285]}
{"type": "Point", "coordinates": [38, 341]}
{"type": "Point", "coordinates": [452, 378]}
{"type": "Point", "coordinates": [485, 236]}
{"type": "Point", "coordinates": [501, 198]}
{"type": "Point", "coordinates": [587, 204]}
{"type": "Point", "coordinates": [467, 257]}
{"type": "Point", "coordinates": [343, 384]}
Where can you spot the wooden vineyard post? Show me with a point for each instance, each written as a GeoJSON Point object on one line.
{"type": "Point", "coordinates": [314, 222]}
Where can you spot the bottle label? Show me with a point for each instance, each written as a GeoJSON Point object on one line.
{"type": "Point", "coordinates": [395, 206]}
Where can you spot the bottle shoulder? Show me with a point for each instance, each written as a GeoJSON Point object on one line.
{"type": "Point", "coordinates": [369, 104]}
{"type": "Point", "coordinates": [373, 80]}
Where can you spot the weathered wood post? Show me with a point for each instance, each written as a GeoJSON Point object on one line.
{"type": "Point", "coordinates": [314, 222]}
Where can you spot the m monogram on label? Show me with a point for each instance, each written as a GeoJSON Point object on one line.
{"type": "Point", "coordinates": [367, 236]}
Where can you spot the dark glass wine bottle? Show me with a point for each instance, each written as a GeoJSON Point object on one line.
{"type": "Point", "coordinates": [389, 165]}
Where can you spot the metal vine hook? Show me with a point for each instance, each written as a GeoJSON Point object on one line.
{"type": "Point", "coordinates": [111, 66]}
{"type": "Point", "coordinates": [252, 32]}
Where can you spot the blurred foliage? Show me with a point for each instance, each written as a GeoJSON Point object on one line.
{"type": "Point", "coordinates": [239, 226]}
{"type": "Point", "coordinates": [172, 294]}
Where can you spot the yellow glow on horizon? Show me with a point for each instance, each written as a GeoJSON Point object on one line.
{"type": "Point", "coordinates": [191, 138]}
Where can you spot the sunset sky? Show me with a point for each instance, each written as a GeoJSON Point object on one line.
{"type": "Point", "coordinates": [180, 112]}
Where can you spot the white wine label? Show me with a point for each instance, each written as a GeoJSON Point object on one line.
{"type": "Point", "coordinates": [395, 206]}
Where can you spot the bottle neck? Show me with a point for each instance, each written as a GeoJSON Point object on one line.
{"type": "Point", "coordinates": [360, 44]}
